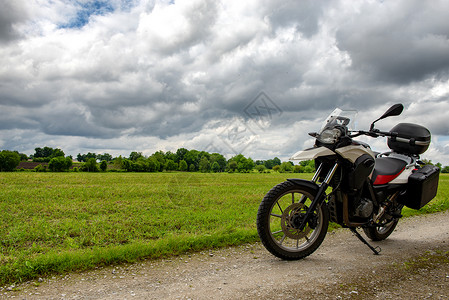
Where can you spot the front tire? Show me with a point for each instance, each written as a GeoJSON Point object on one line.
{"type": "Point", "coordinates": [279, 216]}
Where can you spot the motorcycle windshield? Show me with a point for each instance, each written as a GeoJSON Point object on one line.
{"type": "Point", "coordinates": [340, 117]}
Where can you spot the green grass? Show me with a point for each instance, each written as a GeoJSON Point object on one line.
{"type": "Point", "coordinates": [59, 222]}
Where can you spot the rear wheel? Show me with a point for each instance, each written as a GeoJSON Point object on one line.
{"type": "Point", "coordinates": [381, 233]}
{"type": "Point", "coordinates": [280, 214]}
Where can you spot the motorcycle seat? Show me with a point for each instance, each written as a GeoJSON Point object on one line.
{"type": "Point", "coordinates": [386, 169]}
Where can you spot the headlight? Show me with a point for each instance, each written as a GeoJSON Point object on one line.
{"type": "Point", "coordinates": [329, 136]}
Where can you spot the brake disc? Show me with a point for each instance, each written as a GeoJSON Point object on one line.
{"type": "Point", "coordinates": [292, 212]}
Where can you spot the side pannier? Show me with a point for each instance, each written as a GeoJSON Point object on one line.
{"type": "Point", "coordinates": [422, 187]}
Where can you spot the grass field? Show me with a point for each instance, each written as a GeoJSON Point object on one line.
{"type": "Point", "coordinates": [59, 222]}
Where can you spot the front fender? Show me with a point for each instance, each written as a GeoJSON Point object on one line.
{"type": "Point", "coordinates": [307, 183]}
{"type": "Point", "coordinates": [312, 153]}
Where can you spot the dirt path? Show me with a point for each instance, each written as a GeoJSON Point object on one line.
{"type": "Point", "coordinates": [341, 268]}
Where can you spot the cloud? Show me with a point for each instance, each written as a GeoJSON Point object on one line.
{"type": "Point", "coordinates": [400, 42]}
{"type": "Point", "coordinates": [159, 75]}
{"type": "Point", "coordinates": [12, 15]}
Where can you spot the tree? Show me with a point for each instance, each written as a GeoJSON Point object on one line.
{"type": "Point", "coordinates": [269, 164]}
{"type": "Point", "coordinates": [204, 166]}
{"type": "Point", "coordinates": [46, 154]}
{"type": "Point", "coordinates": [160, 157]}
{"type": "Point", "coordinates": [308, 169]}
{"type": "Point", "coordinates": [215, 167]}
{"type": "Point", "coordinates": [260, 168]}
{"type": "Point", "coordinates": [181, 153]}
{"type": "Point", "coordinates": [90, 165]}
{"type": "Point", "coordinates": [232, 166]}
{"type": "Point", "coordinates": [103, 165]}
{"type": "Point", "coordinates": [171, 165]}
{"type": "Point", "coordinates": [192, 158]}
{"type": "Point", "coordinates": [153, 164]}
{"type": "Point", "coordinates": [9, 160]}
{"type": "Point", "coordinates": [135, 155]}
{"type": "Point", "coordinates": [118, 161]}
{"type": "Point", "coordinates": [57, 153]}
{"type": "Point", "coordinates": [220, 159]}
{"type": "Point", "coordinates": [23, 157]}
{"type": "Point", "coordinates": [172, 156]}
{"type": "Point", "coordinates": [60, 164]}
{"type": "Point", "coordinates": [286, 167]}
{"type": "Point", "coordinates": [243, 164]}
{"type": "Point", "coordinates": [43, 152]}
{"type": "Point", "coordinates": [107, 157]}
{"type": "Point", "coordinates": [445, 169]}
{"type": "Point", "coordinates": [192, 168]}
{"type": "Point", "coordinates": [276, 168]}
{"type": "Point", "coordinates": [183, 165]}
{"type": "Point", "coordinates": [85, 157]}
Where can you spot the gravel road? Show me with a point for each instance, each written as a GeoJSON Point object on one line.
{"type": "Point", "coordinates": [342, 268]}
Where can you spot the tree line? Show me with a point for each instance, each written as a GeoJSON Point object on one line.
{"type": "Point", "coordinates": [54, 159]}
{"type": "Point", "coordinates": [182, 160]}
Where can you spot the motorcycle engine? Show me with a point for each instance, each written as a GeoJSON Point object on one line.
{"type": "Point", "coordinates": [364, 209]}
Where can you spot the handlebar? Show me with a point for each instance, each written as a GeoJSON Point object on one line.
{"type": "Point", "coordinates": [374, 133]}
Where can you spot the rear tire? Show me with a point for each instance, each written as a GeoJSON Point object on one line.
{"type": "Point", "coordinates": [381, 233]}
{"type": "Point", "coordinates": [279, 216]}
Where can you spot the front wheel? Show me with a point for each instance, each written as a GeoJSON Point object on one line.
{"type": "Point", "coordinates": [281, 213]}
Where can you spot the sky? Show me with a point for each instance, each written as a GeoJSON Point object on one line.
{"type": "Point", "coordinates": [251, 77]}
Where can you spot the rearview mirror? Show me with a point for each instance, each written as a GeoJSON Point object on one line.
{"type": "Point", "coordinates": [395, 110]}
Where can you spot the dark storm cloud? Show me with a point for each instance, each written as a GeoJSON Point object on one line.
{"type": "Point", "coordinates": [401, 41]}
{"type": "Point", "coordinates": [12, 13]}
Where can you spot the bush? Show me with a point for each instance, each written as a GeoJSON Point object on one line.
{"type": "Point", "coordinates": [40, 168]}
{"type": "Point", "coordinates": [60, 164]}
{"type": "Point", "coordinates": [90, 166]}
{"type": "Point", "coordinates": [297, 169]}
{"type": "Point", "coordinates": [286, 167]}
{"type": "Point", "coordinates": [9, 160]}
{"type": "Point", "coordinates": [261, 168]}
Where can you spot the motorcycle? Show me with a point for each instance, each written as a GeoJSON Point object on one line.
{"type": "Point", "coordinates": [352, 186]}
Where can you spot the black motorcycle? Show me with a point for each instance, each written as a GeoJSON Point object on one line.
{"type": "Point", "coordinates": [352, 187]}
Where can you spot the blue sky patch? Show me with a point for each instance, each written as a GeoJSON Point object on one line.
{"type": "Point", "coordinates": [87, 9]}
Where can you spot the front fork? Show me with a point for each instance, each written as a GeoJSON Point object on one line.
{"type": "Point", "coordinates": [320, 195]}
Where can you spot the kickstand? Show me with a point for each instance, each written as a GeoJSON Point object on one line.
{"type": "Point", "coordinates": [375, 250]}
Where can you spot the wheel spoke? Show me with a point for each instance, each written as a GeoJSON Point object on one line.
{"type": "Point", "coordinates": [276, 232]}
{"type": "Point", "coordinates": [280, 208]}
{"type": "Point", "coordinates": [293, 198]}
{"type": "Point", "coordinates": [276, 215]}
{"type": "Point", "coordinates": [303, 199]}
{"type": "Point", "coordinates": [282, 240]}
